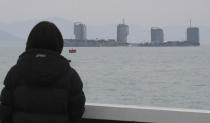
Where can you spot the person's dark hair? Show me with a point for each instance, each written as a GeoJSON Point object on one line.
{"type": "Point", "coordinates": [45, 35]}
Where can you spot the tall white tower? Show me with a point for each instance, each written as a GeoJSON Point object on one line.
{"type": "Point", "coordinates": [122, 32]}
{"type": "Point", "coordinates": [80, 31]}
{"type": "Point", "coordinates": [157, 35]}
{"type": "Point", "coordinates": [193, 34]}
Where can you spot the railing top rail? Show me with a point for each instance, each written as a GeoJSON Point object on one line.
{"type": "Point", "coordinates": [146, 114]}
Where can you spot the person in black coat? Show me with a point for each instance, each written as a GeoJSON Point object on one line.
{"type": "Point", "coordinates": [42, 87]}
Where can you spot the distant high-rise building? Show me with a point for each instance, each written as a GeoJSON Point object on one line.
{"type": "Point", "coordinates": [80, 31]}
{"type": "Point", "coordinates": [122, 32]}
{"type": "Point", "coordinates": [193, 34]}
{"type": "Point", "coordinates": [157, 35]}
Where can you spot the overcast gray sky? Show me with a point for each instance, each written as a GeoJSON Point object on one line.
{"type": "Point", "coordinates": [141, 12]}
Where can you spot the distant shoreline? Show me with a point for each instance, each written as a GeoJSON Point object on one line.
{"type": "Point", "coordinates": [113, 43]}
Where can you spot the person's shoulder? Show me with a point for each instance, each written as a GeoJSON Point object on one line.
{"type": "Point", "coordinates": [11, 75]}
{"type": "Point", "coordinates": [74, 75]}
{"type": "Point", "coordinates": [72, 70]}
{"type": "Point", "coordinates": [13, 69]}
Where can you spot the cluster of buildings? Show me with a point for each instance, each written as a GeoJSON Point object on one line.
{"type": "Point", "coordinates": [80, 32]}
{"type": "Point", "coordinates": [157, 38]}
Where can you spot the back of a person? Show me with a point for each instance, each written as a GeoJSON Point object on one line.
{"type": "Point", "coordinates": [42, 87]}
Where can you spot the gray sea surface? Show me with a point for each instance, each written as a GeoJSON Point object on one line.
{"type": "Point", "coordinates": [177, 77]}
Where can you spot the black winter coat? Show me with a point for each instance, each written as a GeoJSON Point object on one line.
{"type": "Point", "coordinates": [42, 87]}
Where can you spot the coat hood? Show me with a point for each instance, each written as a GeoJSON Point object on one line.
{"type": "Point", "coordinates": [42, 67]}
{"type": "Point", "coordinates": [45, 35]}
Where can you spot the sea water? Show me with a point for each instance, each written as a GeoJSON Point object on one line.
{"type": "Point", "coordinates": [143, 76]}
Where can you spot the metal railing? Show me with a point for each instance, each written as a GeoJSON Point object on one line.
{"type": "Point", "coordinates": [104, 113]}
